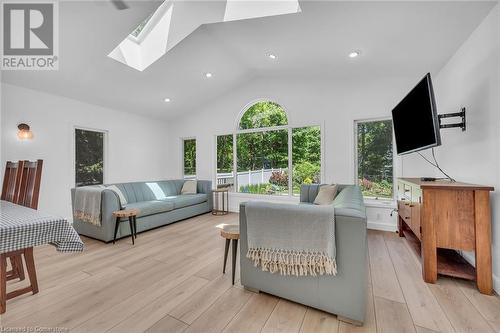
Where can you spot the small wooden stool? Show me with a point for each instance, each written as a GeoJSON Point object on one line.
{"type": "Point", "coordinates": [230, 232]}
{"type": "Point", "coordinates": [132, 220]}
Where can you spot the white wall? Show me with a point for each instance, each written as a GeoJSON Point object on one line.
{"type": "Point", "coordinates": [136, 146]}
{"type": "Point", "coordinates": [472, 79]}
{"type": "Point", "coordinates": [333, 104]}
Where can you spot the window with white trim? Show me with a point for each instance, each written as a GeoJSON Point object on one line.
{"type": "Point", "coordinates": [268, 156]}
{"type": "Point", "coordinates": [374, 158]}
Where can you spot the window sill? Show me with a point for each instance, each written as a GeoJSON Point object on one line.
{"type": "Point", "coordinates": [265, 196]}
{"type": "Point", "coordinates": [380, 203]}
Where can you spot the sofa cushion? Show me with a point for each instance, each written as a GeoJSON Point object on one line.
{"type": "Point", "coordinates": [147, 208]}
{"type": "Point", "coordinates": [189, 187]}
{"type": "Point", "coordinates": [326, 195]}
{"type": "Point", "coordinates": [185, 200]}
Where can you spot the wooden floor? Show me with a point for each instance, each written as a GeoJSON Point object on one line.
{"type": "Point", "coordinates": [172, 281]}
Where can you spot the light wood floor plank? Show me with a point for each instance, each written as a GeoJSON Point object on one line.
{"type": "Point", "coordinates": [462, 314]}
{"type": "Point", "coordinates": [316, 321]}
{"type": "Point", "coordinates": [424, 330]}
{"type": "Point", "coordinates": [286, 317]}
{"type": "Point", "coordinates": [221, 312]}
{"type": "Point", "coordinates": [488, 306]}
{"type": "Point", "coordinates": [422, 304]}
{"type": "Point", "coordinates": [253, 315]}
{"type": "Point", "coordinates": [167, 324]}
{"type": "Point", "coordinates": [384, 280]}
{"type": "Point", "coordinates": [193, 307]}
{"type": "Point", "coordinates": [148, 315]}
{"type": "Point", "coordinates": [392, 317]}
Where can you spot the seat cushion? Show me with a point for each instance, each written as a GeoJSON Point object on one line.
{"type": "Point", "coordinates": [147, 208]}
{"type": "Point", "coordinates": [186, 200]}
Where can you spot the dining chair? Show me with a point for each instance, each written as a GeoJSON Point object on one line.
{"type": "Point", "coordinates": [21, 185]}
{"type": "Point", "coordinates": [12, 181]}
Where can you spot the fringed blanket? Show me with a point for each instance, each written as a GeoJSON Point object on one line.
{"type": "Point", "coordinates": [291, 239]}
{"type": "Point", "coordinates": [87, 207]}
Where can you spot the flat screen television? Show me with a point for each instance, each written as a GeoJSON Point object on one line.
{"type": "Point", "coordinates": [415, 120]}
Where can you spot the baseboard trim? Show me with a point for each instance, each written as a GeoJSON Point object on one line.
{"type": "Point", "coordinates": [381, 226]}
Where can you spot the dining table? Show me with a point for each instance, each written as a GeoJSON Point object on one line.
{"type": "Point", "coordinates": [22, 229]}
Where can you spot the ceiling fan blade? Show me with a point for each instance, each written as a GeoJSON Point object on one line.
{"type": "Point", "coordinates": [119, 4]}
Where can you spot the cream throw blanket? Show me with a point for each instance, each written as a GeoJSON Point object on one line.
{"type": "Point", "coordinates": [87, 205]}
{"type": "Point", "coordinates": [291, 239]}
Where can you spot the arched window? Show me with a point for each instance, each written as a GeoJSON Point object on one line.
{"type": "Point", "coordinates": [259, 158]}
{"type": "Point", "coordinates": [263, 114]}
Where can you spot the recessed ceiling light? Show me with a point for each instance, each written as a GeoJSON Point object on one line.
{"type": "Point", "coordinates": [272, 56]}
{"type": "Point", "coordinates": [208, 75]}
{"type": "Point", "coordinates": [354, 54]}
{"type": "Point", "coordinates": [166, 100]}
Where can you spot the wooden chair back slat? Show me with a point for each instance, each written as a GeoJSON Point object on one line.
{"type": "Point", "coordinates": [21, 183]}
{"type": "Point", "coordinates": [12, 181]}
{"type": "Point", "coordinates": [30, 184]}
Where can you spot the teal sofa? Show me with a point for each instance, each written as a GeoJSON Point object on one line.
{"type": "Point", "coordinates": [159, 203]}
{"type": "Point", "coordinates": [343, 294]}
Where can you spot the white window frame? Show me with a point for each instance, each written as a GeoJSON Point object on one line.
{"type": "Point", "coordinates": [289, 127]}
{"type": "Point", "coordinates": [394, 177]}
{"type": "Point", "coordinates": [105, 150]}
{"type": "Point", "coordinates": [182, 156]}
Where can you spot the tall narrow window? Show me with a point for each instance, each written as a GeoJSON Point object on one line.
{"type": "Point", "coordinates": [225, 172]}
{"type": "Point", "coordinates": [306, 156]}
{"type": "Point", "coordinates": [89, 157]}
{"type": "Point", "coordinates": [189, 158]}
{"type": "Point", "coordinates": [375, 158]}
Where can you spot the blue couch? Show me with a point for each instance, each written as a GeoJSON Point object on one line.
{"type": "Point", "coordinates": [159, 203]}
{"type": "Point", "coordinates": [343, 294]}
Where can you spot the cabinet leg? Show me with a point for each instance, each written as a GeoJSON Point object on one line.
{"type": "Point", "coordinates": [400, 227]}
{"type": "Point", "coordinates": [482, 219]}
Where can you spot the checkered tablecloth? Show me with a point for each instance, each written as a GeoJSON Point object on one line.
{"type": "Point", "coordinates": [22, 227]}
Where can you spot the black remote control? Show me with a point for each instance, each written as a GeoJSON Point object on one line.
{"type": "Point", "coordinates": [428, 179]}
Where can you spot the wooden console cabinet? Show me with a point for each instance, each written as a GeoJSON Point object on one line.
{"type": "Point", "coordinates": [441, 217]}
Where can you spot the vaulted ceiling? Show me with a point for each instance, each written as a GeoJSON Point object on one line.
{"type": "Point", "coordinates": [396, 38]}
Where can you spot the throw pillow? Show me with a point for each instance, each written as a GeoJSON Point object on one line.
{"type": "Point", "coordinates": [326, 195]}
{"type": "Point", "coordinates": [114, 188]}
{"type": "Point", "coordinates": [189, 187]}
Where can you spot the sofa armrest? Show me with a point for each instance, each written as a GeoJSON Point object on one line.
{"type": "Point", "coordinates": [205, 186]}
{"type": "Point", "coordinates": [110, 202]}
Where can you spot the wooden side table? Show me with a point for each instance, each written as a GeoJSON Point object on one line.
{"type": "Point", "coordinates": [218, 209]}
{"type": "Point", "coordinates": [231, 232]}
{"type": "Point", "coordinates": [132, 220]}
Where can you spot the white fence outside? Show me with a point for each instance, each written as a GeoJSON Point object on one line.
{"type": "Point", "coordinates": [247, 177]}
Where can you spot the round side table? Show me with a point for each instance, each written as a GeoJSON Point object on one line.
{"type": "Point", "coordinates": [132, 220]}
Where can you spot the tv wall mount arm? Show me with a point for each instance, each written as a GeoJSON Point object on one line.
{"type": "Point", "coordinates": [460, 114]}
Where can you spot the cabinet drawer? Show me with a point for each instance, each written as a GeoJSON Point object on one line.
{"type": "Point", "coordinates": [404, 210]}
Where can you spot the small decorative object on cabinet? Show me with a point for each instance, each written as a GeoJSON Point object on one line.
{"type": "Point", "coordinates": [441, 217]}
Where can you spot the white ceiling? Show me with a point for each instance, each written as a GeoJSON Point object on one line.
{"type": "Point", "coordinates": [396, 39]}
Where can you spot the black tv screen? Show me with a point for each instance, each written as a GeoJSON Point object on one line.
{"type": "Point", "coordinates": [415, 119]}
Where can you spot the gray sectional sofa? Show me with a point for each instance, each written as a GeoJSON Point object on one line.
{"type": "Point", "coordinates": [343, 294]}
{"type": "Point", "coordinates": [159, 203]}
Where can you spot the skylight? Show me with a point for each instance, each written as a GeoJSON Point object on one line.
{"type": "Point", "coordinates": [141, 26]}
{"type": "Point", "coordinates": [156, 35]}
